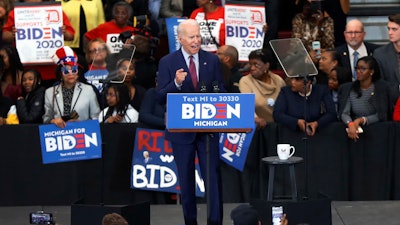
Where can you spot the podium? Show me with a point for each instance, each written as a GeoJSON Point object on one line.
{"type": "Point", "coordinates": [210, 113]}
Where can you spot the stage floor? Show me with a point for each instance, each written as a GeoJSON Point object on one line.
{"type": "Point", "coordinates": [343, 213]}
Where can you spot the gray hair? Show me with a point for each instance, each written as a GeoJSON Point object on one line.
{"type": "Point", "coordinates": [188, 22]}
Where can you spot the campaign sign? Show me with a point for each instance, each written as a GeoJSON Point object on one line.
{"type": "Point", "coordinates": [210, 111]}
{"type": "Point", "coordinates": [153, 165]}
{"type": "Point", "coordinates": [77, 141]}
{"type": "Point", "coordinates": [172, 32]}
{"type": "Point", "coordinates": [113, 42]}
{"type": "Point", "coordinates": [244, 27]}
{"type": "Point", "coordinates": [39, 31]}
{"type": "Point", "coordinates": [233, 148]}
{"type": "Point", "coordinates": [94, 77]}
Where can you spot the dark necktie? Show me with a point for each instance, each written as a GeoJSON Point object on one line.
{"type": "Point", "coordinates": [193, 72]}
{"type": "Point", "coordinates": [355, 54]}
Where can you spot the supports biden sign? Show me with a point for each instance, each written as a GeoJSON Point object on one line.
{"type": "Point", "coordinates": [207, 111]}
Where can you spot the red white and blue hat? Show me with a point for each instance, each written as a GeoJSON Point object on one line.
{"type": "Point", "coordinates": [65, 56]}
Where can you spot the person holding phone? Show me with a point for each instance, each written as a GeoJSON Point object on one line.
{"type": "Point", "coordinates": [313, 25]}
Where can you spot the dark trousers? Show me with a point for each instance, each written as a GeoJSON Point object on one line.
{"type": "Point", "coordinates": [184, 155]}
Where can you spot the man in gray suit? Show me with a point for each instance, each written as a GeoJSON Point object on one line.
{"type": "Point", "coordinates": [355, 46]}
{"type": "Point", "coordinates": [388, 55]}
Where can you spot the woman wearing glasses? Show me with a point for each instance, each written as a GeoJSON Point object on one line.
{"type": "Point", "coordinates": [264, 84]}
{"type": "Point", "coordinates": [96, 54]}
{"type": "Point", "coordinates": [70, 100]}
{"type": "Point", "coordinates": [367, 100]}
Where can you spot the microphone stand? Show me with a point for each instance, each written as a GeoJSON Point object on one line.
{"type": "Point", "coordinates": [203, 89]}
{"type": "Point", "coordinates": [208, 139]}
{"type": "Point", "coordinates": [305, 137]}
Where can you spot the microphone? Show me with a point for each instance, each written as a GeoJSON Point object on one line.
{"type": "Point", "coordinates": [215, 85]}
{"type": "Point", "coordinates": [203, 87]}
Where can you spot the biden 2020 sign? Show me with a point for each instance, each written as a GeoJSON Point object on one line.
{"type": "Point", "coordinates": [199, 111]}
{"type": "Point", "coordinates": [77, 141]}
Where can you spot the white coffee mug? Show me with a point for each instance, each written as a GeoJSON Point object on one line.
{"type": "Point", "coordinates": [285, 151]}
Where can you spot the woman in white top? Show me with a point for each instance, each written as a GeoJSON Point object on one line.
{"type": "Point", "coordinates": [119, 110]}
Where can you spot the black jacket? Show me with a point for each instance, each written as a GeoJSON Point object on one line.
{"type": "Point", "coordinates": [345, 56]}
{"type": "Point", "coordinates": [31, 109]}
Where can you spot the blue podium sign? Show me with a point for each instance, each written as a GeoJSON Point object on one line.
{"type": "Point", "coordinates": [210, 111]}
{"type": "Point", "coordinates": [77, 141]}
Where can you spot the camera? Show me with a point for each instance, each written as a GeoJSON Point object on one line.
{"type": "Point", "coordinates": [41, 217]}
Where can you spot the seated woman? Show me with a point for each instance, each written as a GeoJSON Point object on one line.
{"type": "Point", "coordinates": [70, 100]}
{"type": "Point", "coordinates": [119, 110]}
{"type": "Point", "coordinates": [264, 84]}
{"type": "Point", "coordinates": [290, 105]}
{"type": "Point", "coordinates": [30, 105]}
{"type": "Point", "coordinates": [367, 100]}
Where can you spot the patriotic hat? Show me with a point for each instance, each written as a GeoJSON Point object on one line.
{"type": "Point", "coordinates": [65, 56]}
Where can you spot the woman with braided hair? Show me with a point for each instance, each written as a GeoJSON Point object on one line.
{"type": "Point", "coordinates": [119, 110]}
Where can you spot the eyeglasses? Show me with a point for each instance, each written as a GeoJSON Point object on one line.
{"type": "Point", "coordinates": [353, 32]}
{"type": "Point", "coordinates": [66, 71]}
{"type": "Point", "coordinates": [362, 69]}
{"type": "Point", "coordinates": [95, 50]}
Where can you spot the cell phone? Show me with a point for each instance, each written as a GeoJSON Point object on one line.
{"type": "Point", "coordinates": [316, 6]}
{"type": "Point", "coordinates": [40, 217]}
{"type": "Point", "coordinates": [277, 213]}
{"type": "Point", "coordinates": [316, 47]}
{"type": "Point", "coordinates": [359, 130]}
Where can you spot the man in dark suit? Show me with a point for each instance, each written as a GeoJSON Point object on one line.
{"type": "Point", "coordinates": [355, 46]}
{"type": "Point", "coordinates": [178, 75]}
{"type": "Point", "coordinates": [388, 56]}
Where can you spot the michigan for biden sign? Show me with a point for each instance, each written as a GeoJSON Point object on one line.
{"type": "Point", "coordinates": [210, 111]}
{"type": "Point", "coordinates": [77, 141]}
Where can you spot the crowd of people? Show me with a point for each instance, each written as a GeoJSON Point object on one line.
{"type": "Point", "coordinates": [93, 78]}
